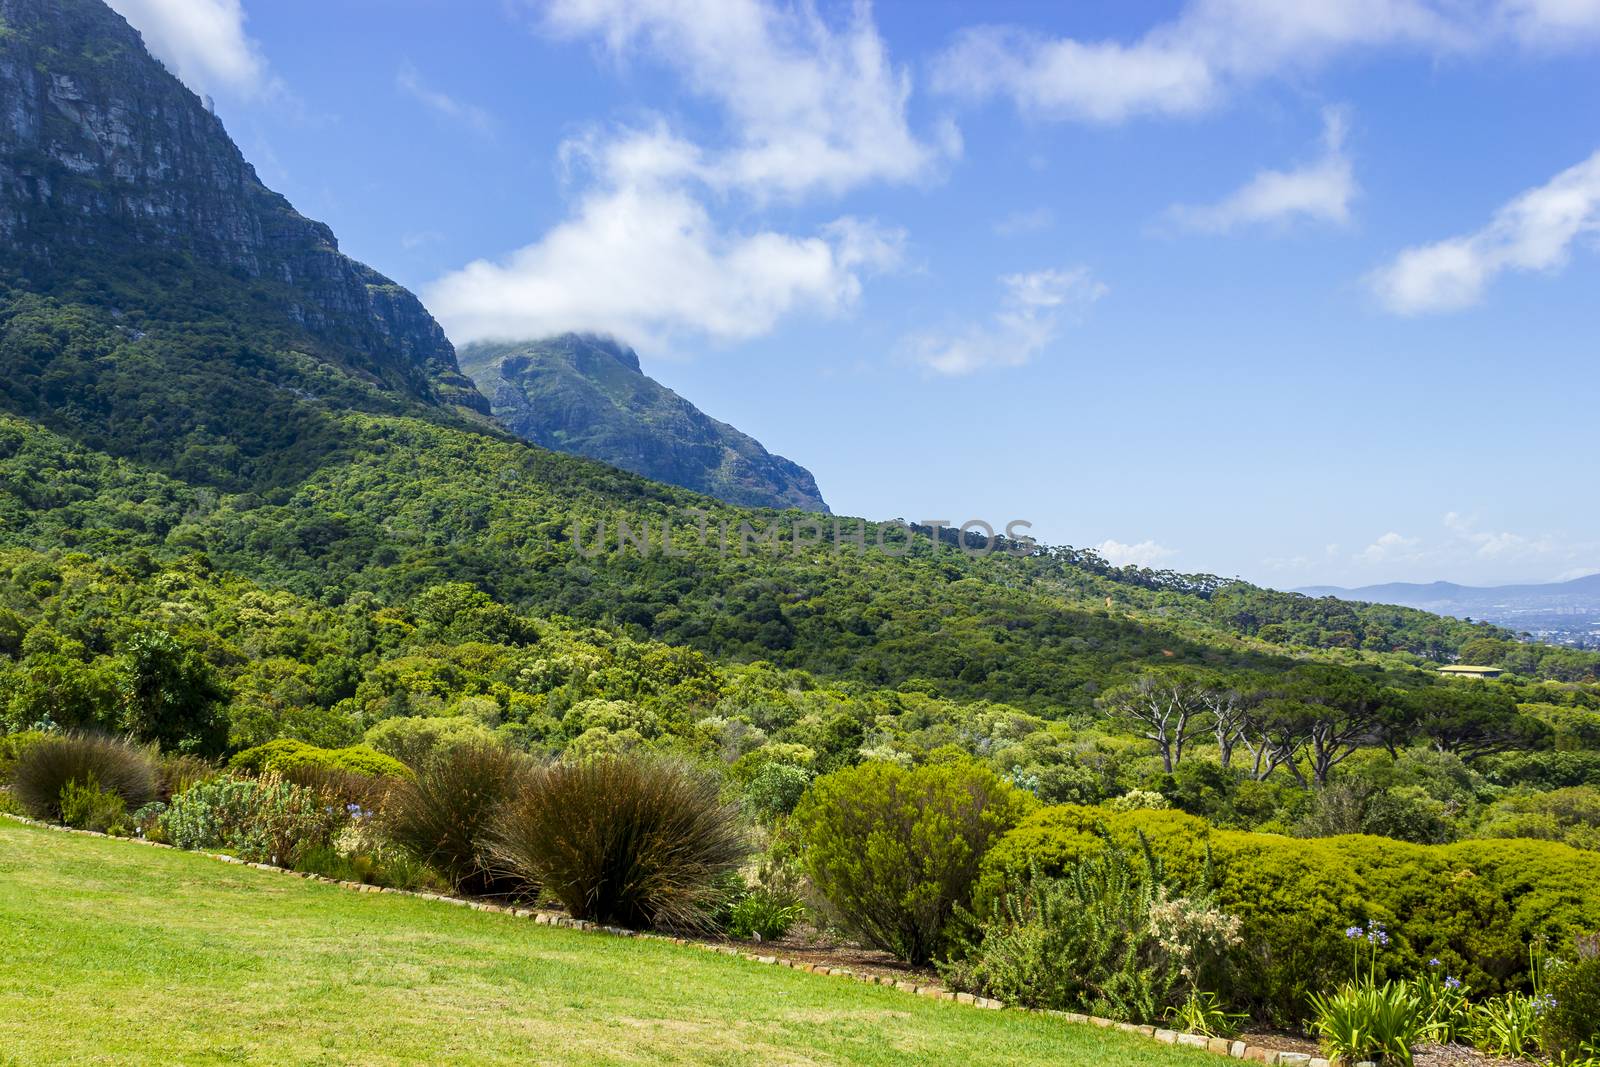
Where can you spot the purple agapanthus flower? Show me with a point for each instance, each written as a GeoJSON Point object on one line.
{"type": "Point", "coordinates": [1452, 982]}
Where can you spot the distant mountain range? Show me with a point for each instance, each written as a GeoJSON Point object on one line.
{"type": "Point", "coordinates": [1551, 607]}
{"type": "Point", "coordinates": [587, 395]}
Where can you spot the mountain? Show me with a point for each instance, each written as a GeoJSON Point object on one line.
{"type": "Point", "coordinates": [125, 208]}
{"type": "Point", "coordinates": [197, 386]}
{"type": "Point", "coordinates": [587, 395]}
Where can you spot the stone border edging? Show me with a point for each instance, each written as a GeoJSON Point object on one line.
{"type": "Point", "coordinates": [1222, 1046]}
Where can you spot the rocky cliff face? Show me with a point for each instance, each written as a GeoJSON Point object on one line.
{"type": "Point", "coordinates": [103, 153]}
{"type": "Point", "coordinates": [587, 395]}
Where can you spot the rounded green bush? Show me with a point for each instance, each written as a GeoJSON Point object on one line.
{"type": "Point", "coordinates": [895, 851]}
{"type": "Point", "coordinates": [1475, 905]}
{"type": "Point", "coordinates": [285, 755]}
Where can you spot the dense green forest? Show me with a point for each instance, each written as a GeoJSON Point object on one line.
{"type": "Point", "coordinates": [229, 453]}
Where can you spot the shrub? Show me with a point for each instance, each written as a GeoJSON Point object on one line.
{"type": "Point", "coordinates": [285, 755]}
{"type": "Point", "coordinates": [46, 767]}
{"type": "Point", "coordinates": [12, 746]}
{"type": "Point", "coordinates": [775, 790]}
{"type": "Point", "coordinates": [288, 821]}
{"type": "Point", "coordinates": [266, 820]}
{"type": "Point", "coordinates": [634, 840]}
{"type": "Point", "coordinates": [1110, 938]}
{"type": "Point", "coordinates": [761, 914]}
{"type": "Point", "coordinates": [895, 851]}
{"type": "Point", "coordinates": [1570, 1022]}
{"type": "Point", "coordinates": [182, 771]}
{"type": "Point", "coordinates": [443, 814]}
{"type": "Point", "coordinates": [341, 786]}
{"type": "Point", "coordinates": [1365, 1020]}
{"type": "Point", "coordinates": [414, 740]}
{"type": "Point", "coordinates": [211, 815]}
{"type": "Point", "coordinates": [146, 821]}
{"type": "Point", "coordinates": [85, 806]}
{"type": "Point", "coordinates": [1475, 905]}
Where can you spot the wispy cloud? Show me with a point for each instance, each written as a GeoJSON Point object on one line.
{"type": "Point", "coordinates": [1032, 312]}
{"type": "Point", "coordinates": [1192, 62]}
{"type": "Point", "coordinates": [471, 116]}
{"type": "Point", "coordinates": [1143, 554]}
{"type": "Point", "coordinates": [1318, 191]}
{"type": "Point", "coordinates": [811, 106]}
{"type": "Point", "coordinates": [1534, 232]}
{"type": "Point", "coordinates": [203, 42]}
{"type": "Point", "coordinates": [1462, 544]}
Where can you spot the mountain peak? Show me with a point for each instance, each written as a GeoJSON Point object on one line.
{"type": "Point", "coordinates": [111, 169]}
{"type": "Point", "coordinates": [587, 394]}
{"type": "Point", "coordinates": [581, 348]}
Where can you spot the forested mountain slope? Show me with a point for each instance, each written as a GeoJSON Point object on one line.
{"type": "Point", "coordinates": [587, 395]}
{"type": "Point", "coordinates": [189, 370]}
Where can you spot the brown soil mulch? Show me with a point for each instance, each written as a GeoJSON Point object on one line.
{"type": "Point", "coordinates": [806, 945]}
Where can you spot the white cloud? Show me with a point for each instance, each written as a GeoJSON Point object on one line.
{"type": "Point", "coordinates": [646, 260]}
{"type": "Point", "coordinates": [1319, 191]}
{"type": "Point", "coordinates": [1179, 67]}
{"type": "Point", "coordinates": [811, 107]}
{"type": "Point", "coordinates": [1390, 548]}
{"type": "Point", "coordinates": [1143, 554]}
{"type": "Point", "coordinates": [1550, 22]}
{"type": "Point", "coordinates": [1031, 314]}
{"type": "Point", "coordinates": [1191, 62]}
{"type": "Point", "coordinates": [471, 116]}
{"type": "Point", "coordinates": [203, 42]}
{"type": "Point", "coordinates": [1534, 232]}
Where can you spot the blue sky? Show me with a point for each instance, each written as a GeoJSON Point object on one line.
{"type": "Point", "coordinates": [1303, 292]}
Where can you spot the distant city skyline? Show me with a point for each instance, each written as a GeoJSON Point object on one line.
{"type": "Point", "coordinates": [1303, 293]}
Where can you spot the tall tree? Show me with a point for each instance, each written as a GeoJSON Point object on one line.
{"type": "Point", "coordinates": [1163, 707]}
{"type": "Point", "coordinates": [170, 695]}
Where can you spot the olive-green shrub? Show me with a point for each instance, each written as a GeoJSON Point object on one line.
{"type": "Point", "coordinates": [286, 756]}
{"type": "Point", "coordinates": [416, 740]}
{"type": "Point", "coordinates": [1474, 905]}
{"type": "Point", "coordinates": [894, 851]}
{"type": "Point", "coordinates": [1571, 1018]}
{"type": "Point", "coordinates": [263, 820]}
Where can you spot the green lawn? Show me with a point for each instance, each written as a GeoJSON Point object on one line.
{"type": "Point", "coordinates": [115, 953]}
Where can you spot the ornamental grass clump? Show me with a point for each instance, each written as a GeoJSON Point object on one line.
{"type": "Point", "coordinates": [638, 841]}
{"type": "Point", "coordinates": [442, 816]}
{"type": "Point", "coordinates": [46, 768]}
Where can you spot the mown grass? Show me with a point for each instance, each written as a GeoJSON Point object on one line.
{"type": "Point", "coordinates": [115, 953]}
